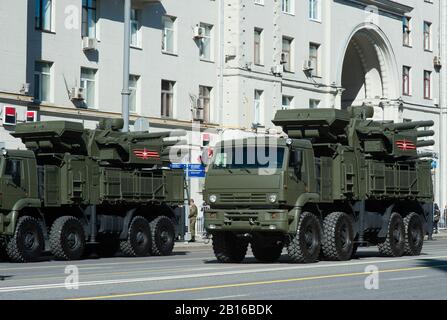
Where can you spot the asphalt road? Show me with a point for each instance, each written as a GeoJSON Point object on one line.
{"type": "Point", "coordinates": [193, 273]}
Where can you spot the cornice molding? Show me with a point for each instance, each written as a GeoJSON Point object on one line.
{"type": "Point", "coordinates": [392, 7]}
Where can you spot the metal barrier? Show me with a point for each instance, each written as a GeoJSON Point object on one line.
{"type": "Point", "coordinates": [200, 226]}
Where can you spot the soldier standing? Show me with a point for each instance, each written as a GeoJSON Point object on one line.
{"type": "Point", "coordinates": [192, 219]}
{"type": "Point", "coordinates": [436, 218]}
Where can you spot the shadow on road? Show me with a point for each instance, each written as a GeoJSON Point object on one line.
{"type": "Point", "coordinates": [437, 264]}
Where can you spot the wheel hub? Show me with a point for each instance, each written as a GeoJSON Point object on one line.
{"type": "Point", "coordinates": [72, 240]}
{"type": "Point", "coordinates": [30, 240]}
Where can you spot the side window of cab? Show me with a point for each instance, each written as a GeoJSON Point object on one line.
{"type": "Point", "coordinates": [296, 162]}
{"type": "Point", "coordinates": [13, 169]}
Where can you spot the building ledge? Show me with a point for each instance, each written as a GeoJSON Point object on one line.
{"type": "Point", "coordinates": [16, 97]}
{"type": "Point", "coordinates": [95, 114]}
{"type": "Point", "coordinates": [392, 7]}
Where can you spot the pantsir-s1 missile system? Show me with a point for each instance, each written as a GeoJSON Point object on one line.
{"type": "Point", "coordinates": [337, 182]}
{"type": "Point", "coordinates": [74, 186]}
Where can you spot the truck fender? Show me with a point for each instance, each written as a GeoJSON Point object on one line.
{"type": "Point", "coordinates": [295, 213]}
{"type": "Point", "coordinates": [126, 223]}
{"type": "Point", "coordinates": [14, 214]}
{"type": "Point", "coordinates": [385, 221]}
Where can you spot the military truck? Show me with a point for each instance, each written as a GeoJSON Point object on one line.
{"type": "Point", "coordinates": [339, 180]}
{"type": "Point", "coordinates": [72, 187]}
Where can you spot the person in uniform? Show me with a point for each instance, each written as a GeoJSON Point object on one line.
{"type": "Point", "coordinates": [193, 211]}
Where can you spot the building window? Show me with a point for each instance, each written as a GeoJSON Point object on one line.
{"type": "Point", "coordinates": [406, 80]}
{"type": "Point", "coordinates": [168, 44]}
{"type": "Point", "coordinates": [206, 50]}
{"type": "Point", "coordinates": [314, 103]}
{"type": "Point", "coordinates": [42, 81]}
{"type": "Point", "coordinates": [133, 88]}
{"type": "Point", "coordinates": [135, 28]}
{"type": "Point", "coordinates": [89, 18]}
{"type": "Point", "coordinates": [313, 58]}
{"type": "Point", "coordinates": [314, 10]}
{"type": "Point", "coordinates": [258, 59]}
{"type": "Point", "coordinates": [43, 14]}
{"type": "Point", "coordinates": [287, 54]}
{"type": "Point", "coordinates": [427, 36]}
{"type": "Point", "coordinates": [167, 98]}
{"type": "Point", "coordinates": [288, 6]}
{"type": "Point", "coordinates": [427, 84]}
{"type": "Point", "coordinates": [258, 108]}
{"type": "Point", "coordinates": [205, 101]}
{"type": "Point", "coordinates": [287, 102]}
{"type": "Point", "coordinates": [88, 83]}
{"type": "Point", "coordinates": [406, 31]}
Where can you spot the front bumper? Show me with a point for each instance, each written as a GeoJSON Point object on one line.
{"type": "Point", "coordinates": [247, 221]}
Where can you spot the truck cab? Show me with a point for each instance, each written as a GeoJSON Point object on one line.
{"type": "Point", "coordinates": [254, 184]}
{"type": "Point", "coordinates": [18, 182]}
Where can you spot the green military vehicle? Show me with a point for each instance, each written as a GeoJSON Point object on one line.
{"type": "Point", "coordinates": [338, 181]}
{"type": "Point", "coordinates": [74, 186]}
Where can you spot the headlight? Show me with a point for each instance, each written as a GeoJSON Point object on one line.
{"type": "Point", "coordinates": [4, 152]}
{"type": "Point", "coordinates": [273, 198]}
{"type": "Point", "coordinates": [213, 198]}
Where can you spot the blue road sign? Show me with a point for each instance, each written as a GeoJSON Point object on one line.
{"type": "Point", "coordinates": [178, 166]}
{"type": "Point", "coordinates": [434, 164]}
{"type": "Point", "coordinates": [193, 170]}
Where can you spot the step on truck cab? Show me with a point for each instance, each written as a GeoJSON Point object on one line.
{"type": "Point", "coordinates": [337, 181]}
{"type": "Point", "coordinates": [74, 187]}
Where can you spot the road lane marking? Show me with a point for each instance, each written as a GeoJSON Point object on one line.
{"type": "Point", "coordinates": [408, 278]}
{"type": "Point", "coordinates": [248, 284]}
{"type": "Point", "coordinates": [204, 275]}
{"type": "Point", "coordinates": [136, 271]}
{"type": "Point", "coordinates": [123, 263]}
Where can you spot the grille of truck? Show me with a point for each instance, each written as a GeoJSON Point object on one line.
{"type": "Point", "coordinates": [243, 198]}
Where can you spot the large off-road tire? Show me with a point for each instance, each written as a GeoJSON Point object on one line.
{"type": "Point", "coordinates": [67, 238]}
{"type": "Point", "coordinates": [139, 239]}
{"type": "Point", "coordinates": [27, 243]}
{"type": "Point", "coordinates": [267, 253]}
{"type": "Point", "coordinates": [394, 244]}
{"type": "Point", "coordinates": [338, 237]}
{"type": "Point", "coordinates": [414, 234]}
{"type": "Point", "coordinates": [163, 236]}
{"type": "Point", "coordinates": [305, 245]}
{"type": "Point", "coordinates": [228, 248]}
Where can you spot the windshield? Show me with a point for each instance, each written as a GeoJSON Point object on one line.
{"type": "Point", "coordinates": [249, 157]}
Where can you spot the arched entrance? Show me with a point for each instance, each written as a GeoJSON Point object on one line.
{"type": "Point", "coordinates": [369, 71]}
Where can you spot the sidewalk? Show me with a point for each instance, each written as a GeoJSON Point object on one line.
{"type": "Point", "coordinates": [198, 243]}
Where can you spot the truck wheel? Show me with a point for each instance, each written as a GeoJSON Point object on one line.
{"type": "Point", "coordinates": [67, 238]}
{"type": "Point", "coordinates": [28, 241]}
{"type": "Point", "coordinates": [338, 237]}
{"type": "Point", "coordinates": [414, 234]}
{"type": "Point", "coordinates": [138, 242]}
{"type": "Point", "coordinates": [266, 253]}
{"type": "Point", "coordinates": [228, 248]}
{"type": "Point", "coordinates": [163, 233]}
{"type": "Point", "coordinates": [394, 244]}
{"type": "Point", "coordinates": [305, 246]}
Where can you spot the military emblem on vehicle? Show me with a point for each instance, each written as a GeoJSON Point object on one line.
{"type": "Point", "coordinates": [405, 145]}
{"type": "Point", "coordinates": [146, 154]}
